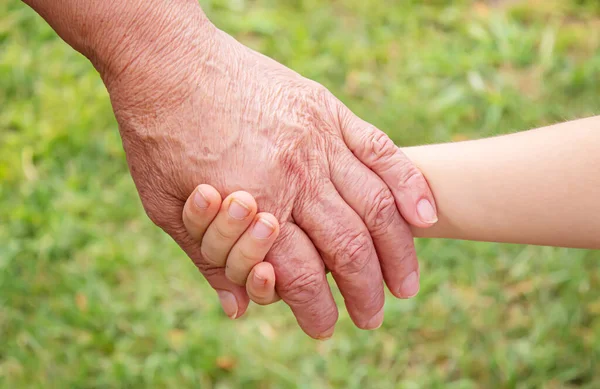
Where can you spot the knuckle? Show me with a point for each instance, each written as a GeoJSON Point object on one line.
{"type": "Point", "coordinates": [303, 288]}
{"type": "Point", "coordinates": [381, 148]}
{"type": "Point", "coordinates": [319, 92]}
{"type": "Point", "coordinates": [209, 260]}
{"type": "Point", "coordinates": [381, 212]}
{"type": "Point", "coordinates": [247, 257]}
{"type": "Point", "coordinates": [353, 253]}
{"type": "Point", "coordinates": [235, 276]}
{"type": "Point", "coordinates": [223, 234]}
{"type": "Point", "coordinates": [407, 174]}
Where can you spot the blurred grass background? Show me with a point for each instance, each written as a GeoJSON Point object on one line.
{"type": "Point", "coordinates": [93, 295]}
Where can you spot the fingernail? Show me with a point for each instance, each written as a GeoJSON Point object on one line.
{"type": "Point", "coordinates": [426, 212]}
{"type": "Point", "coordinates": [376, 321]}
{"type": "Point", "coordinates": [262, 229]}
{"type": "Point", "coordinates": [238, 210]}
{"type": "Point", "coordinates": [410, 286]}
{"type": "Point", "coordinates": [327, 334]}
{"type": "Point", "coordinates": [228, 303]}
{"type": "Point", "coordinates": [200, 199]}
{"type": "Point", "coordinates": [259, 280]}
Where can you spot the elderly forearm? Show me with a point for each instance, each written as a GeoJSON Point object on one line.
{"type": "Point", "coordinates": [535, 187]}
{"type": "Point", "coordinates": [114, 34]}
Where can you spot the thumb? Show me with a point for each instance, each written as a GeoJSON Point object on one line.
{"type": "Point", "coordinates": [377, 151]}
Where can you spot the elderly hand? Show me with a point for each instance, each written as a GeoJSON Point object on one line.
{"type": "Point", "coordinates": [194, 106]}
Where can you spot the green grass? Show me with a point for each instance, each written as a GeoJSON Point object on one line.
{"type": "Point", "coordinates": [93, 295]}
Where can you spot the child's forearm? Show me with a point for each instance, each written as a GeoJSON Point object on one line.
{"type": "Point", "coordinates": [535, 187]}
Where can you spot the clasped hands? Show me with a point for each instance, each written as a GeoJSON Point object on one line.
{"type": "Point", "coordinates": [233, 235]}
{"type": "Point", "coordinates": [196, 106]}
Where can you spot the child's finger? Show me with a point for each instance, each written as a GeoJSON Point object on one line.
{"type": "Point", "coordinates": [261, 284]}
{"type": "Point", "coordinates": [200, 209]}
{"type": "Point", "coordinates": [236, 213]}
{"type": "Point", "coordinates": [252, 247]}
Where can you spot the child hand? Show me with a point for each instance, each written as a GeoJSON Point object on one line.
{"type": "Point", "coordinates": [234, 236]}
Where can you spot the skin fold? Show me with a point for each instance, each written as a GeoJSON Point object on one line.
{"type": "Point", "coordinates": [536, 187]}
{"type": "Point", "coordinates": [194, 105]}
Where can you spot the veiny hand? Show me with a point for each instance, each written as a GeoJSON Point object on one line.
{"type": "Point", "coordinates": [195, 106]}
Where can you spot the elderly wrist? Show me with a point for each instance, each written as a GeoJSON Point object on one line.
{"type": "Point", "coordinates": [116, 34]}
{"type": "Point", "coordinates": [146, 35]}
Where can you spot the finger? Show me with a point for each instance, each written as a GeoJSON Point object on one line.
{"type": "Point", "coordinates": [252, 247]}
{"type": "Point", "coordinates": [234, 299]}
{"type": "Point", "coordinates": [301, 282]}
{"type": "Point", "coordinates": [260, 285]}
{"type": "Point", "coordinates": [234, 217]}
{"type": "Point", "coordinates": [377, 151]}
{"type": "Point", "coordinates": [372, 200]}
{"type": "Point", "coordinates": [347, 249]}
{"type": "Point", "coordinates": [200, 209]}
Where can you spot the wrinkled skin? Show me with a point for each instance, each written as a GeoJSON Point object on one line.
{"type": "Point", "coordinates": [195, 106]}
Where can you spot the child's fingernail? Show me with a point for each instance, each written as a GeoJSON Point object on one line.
{"type": "Point", "coordinates": [238, 210]}
{"type": "Point", "coordinates": [410, 286]}
{"type": "Point", "coordinates": [201, 200]}
{"type": "Point", "coordinates": [426, 212]}
{"type": "Point", "coordinates": [228, 303]}
{"type": "Point", "coordinates": [262, 229]}
{"type": "Point", "coordinates": [259, 280]}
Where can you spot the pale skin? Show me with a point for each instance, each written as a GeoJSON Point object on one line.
{"type": "Point", "coordinates": [537, 187]}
